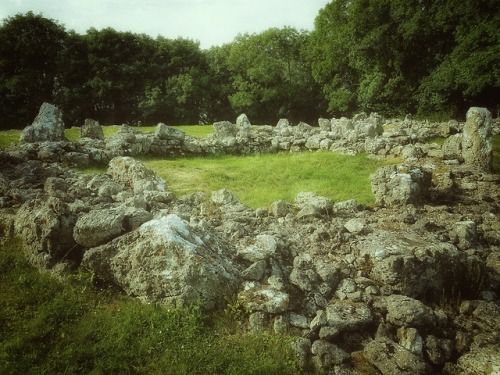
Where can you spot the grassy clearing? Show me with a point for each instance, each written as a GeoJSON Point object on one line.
{"type": "Point", "coordinates": [262, 179]}
{"type": "Point", "coordinates": [47, 327]}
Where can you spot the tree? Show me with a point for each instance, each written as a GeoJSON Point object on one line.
{"type": "Point", "coordinates": [30, 46]}
{"type": "Point", "coordinates": [178, 85]}
{"type": "Point", "coordinates": [220, 83]}
{"type": "Point", "coordinates": [405, 56]}
{"type": "Point", "coordinates": [270, 76]}
{"type": "Point", "coordinates": [72, 92]}
{"type": "Point", "coordinates": [468, 74]}
{"type": "Point", "coordinates": [119, 70]}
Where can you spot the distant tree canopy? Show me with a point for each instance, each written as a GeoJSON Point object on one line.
{"type": "Point", "coordinates": [391, 56]}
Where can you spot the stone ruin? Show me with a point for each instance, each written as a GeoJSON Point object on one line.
{"type": "Point", "coordinates": [363, 289]}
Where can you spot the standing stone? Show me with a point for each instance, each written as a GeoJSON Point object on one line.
{"type": "Point", "coordinates": [242, 122]}
{"type": "Point", "coordinates": [48, 126]}
{"type": "Point", "coordinates": [91, 129]}
{"type": "Point", "coordinates": [477, 150]}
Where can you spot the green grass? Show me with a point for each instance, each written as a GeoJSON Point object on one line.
{"type": "Point", "coordinates": [9, 138]}
{"type": "Point", "coordinates": [262, 179]}
{"type": "Point", "coordinates": [49, 327]}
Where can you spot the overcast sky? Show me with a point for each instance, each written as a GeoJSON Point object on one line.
{"type": "Point", "coordinates": [211, 22]}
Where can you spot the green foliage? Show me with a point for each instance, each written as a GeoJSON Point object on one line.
{"type": "Point", "coordinates": [9, 138]}
{"type": "Point", "coordinates": [270, 76]}
{"type": "Point", "coordinates": [29, 49]}
{"type": "Point", "coordinates": [262, 179]}
{"type": "Point", "coordinates": [397, 57]}
{"type": "Point", "coordinates": [49, 327]}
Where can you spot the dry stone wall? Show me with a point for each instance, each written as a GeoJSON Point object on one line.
{"type": "Point", "coordinates": [407, 286]}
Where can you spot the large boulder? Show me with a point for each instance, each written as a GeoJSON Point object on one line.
{"type": "Point", "coordinates": [391, 358]}
{"type": "Point", "coordinates": [165, 132]}
{"type": "Point", "coordinates": [402, 184]}
{"type": "Point", "coordinates": [225, 129]}
{"type": "Point", "coordinates": [476, 141]}
{"type": "Point", "coordinates": [98, 226]}
{"type": "Point", "coordinates": [46, 227]}
{"type": "Point", "coordinates": [452, 147]}
{"type": "Point", "coordinates": [368, 126]}
{"type": "Point", "coordinates": [409, 263]}
{"type": "Point", "coordinates": [133, 174]}
{"type": "Point", "coordinates": [167, 260]}
{"type": "Point", "coordinates": [48, 126]}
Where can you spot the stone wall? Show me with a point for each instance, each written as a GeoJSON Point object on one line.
{"type": "Point", "coordinates": [408, 285]}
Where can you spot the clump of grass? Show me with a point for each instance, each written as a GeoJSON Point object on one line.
{"type": "Point", "coordinates": [9, 138]}
{"type": "Point", "coordinates": [47, 327]}
{"type": "Point", "coordinates": [260, 180]}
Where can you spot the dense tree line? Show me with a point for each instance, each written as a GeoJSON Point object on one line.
{"type": "Point", "coordinates": [408, 56]}
{"type": "Point", "coordinates": [390, 56]}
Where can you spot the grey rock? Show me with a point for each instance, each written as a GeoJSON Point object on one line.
{"type": "Point", "coordinates": [224, 129]}
{"type": "Point", "coordinates": [280, 325]}
{"type": "Point", "coordinates": [439, 351]}
{"type": "Point", "coordinates": [48, 126]}
{"type": "Point", "coordinates": [355, 226]}
{"type": "Point", "coordinates": [223, 197]}
{"type": "Point", "coordinates": [403, 311]}
{"type": "Point", "coordinates": [258, 322]}
{"type": "Point", "coordinates": [98, 227]}
{"type": "Point", "coordinates": [299, 321]}
{"type": "Point", "coordinates": [133, 174]}
{"type": "Point", "coordinates": [477, 149]}
{"type": "Point", "coordinates": [302, 349]}
{"type": "Point", "coordinates": [266, 299]}
{"type": "Point", "coordinates": [165, 132]}
{"type": "Point", "coordinates": [410, 339]}
{"type": "Point", "coordinates": [166, 260]}
{"type": "Point", "coordinates": [265, 246]}
{"type": "Point", "coordinates": [396, 185]}
{"type": "Point", "coordinates": [325, 124]}
{"type": "Point", "coordinates": [309, 200]}
{"type": "Point", "coordinates": [91, 129]}
{"type": "Point", "coordinates": [329, 354]}
{"type": "Point", "coordinates": [452, 147]}
{"type": "Point", "coordinates": [347, 316]}
{"type": "Point", "coordinates": [409, 263]}
{"type": "Point", "coordinates": [255, 271]}
{"type": "Point", "coordinates": [46, 228]}
{"type": "Point", "coordinates": [243, 123]}
{"type": "Point", "coordinates": [485, 360]}
{"type": "Point", "coordinates": [319, 320]}
{"type": "Point", "coordinates": [391, 358]}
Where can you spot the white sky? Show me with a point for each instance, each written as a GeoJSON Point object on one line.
{"type": "Point", "coordinates": [211, 22]}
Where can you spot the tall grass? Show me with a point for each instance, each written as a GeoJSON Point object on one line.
{"type": "Point", "coordinates": [47, 327]}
